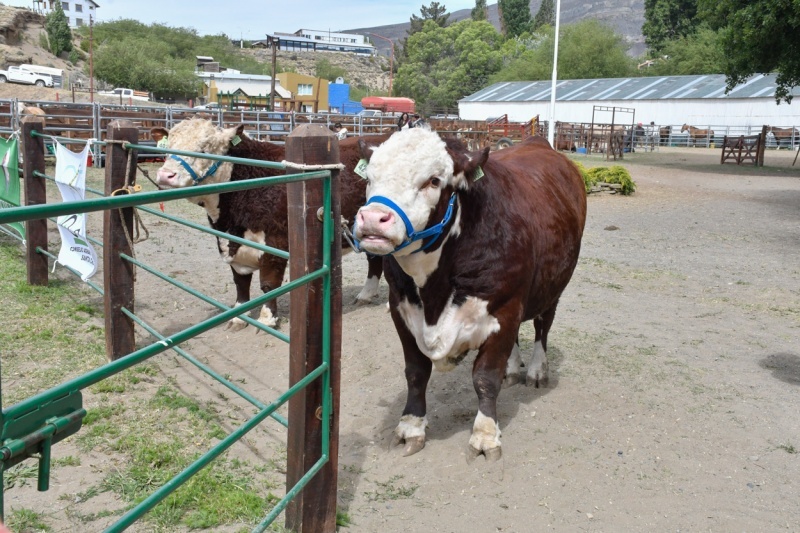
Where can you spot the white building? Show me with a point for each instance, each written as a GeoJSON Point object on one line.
{"type": "Point", "coordinates": [699, 101]}
{"type": "Point", "coordinates": [77, 11]}
{"type": "Point", "coordinates": [319, 41]}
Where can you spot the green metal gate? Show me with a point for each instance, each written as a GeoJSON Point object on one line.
{"type": "Point", "coordinates": [30, 427]}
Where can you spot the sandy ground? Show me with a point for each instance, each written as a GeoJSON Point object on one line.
{"type": "Point", "coordinates": [675, 371]}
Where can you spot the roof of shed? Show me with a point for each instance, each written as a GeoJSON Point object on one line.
{"type": "Point", "coordinates": [647, 88]}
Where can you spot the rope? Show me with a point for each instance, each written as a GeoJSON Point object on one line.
{"type": "Point", "coordinates": [137, 220]}
{"type": "Point", "coordinates": [302, 166]}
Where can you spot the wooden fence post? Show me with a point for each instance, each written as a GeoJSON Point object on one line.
{"type": "Point", "coordinates": [314, 508]}
{"type": "Point", "coordinates": [118, 275]}
{"type": "Point", "coordinates": [35, 194]}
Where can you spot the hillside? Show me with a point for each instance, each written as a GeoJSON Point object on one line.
{"type": "Point", "coordinates": [625, 16]}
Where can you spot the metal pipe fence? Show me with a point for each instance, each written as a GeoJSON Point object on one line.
{"type": "Point", "coordinates": [56, 413]}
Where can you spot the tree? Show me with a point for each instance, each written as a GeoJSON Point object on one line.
{"type": "Point", "coordinates": [58, 32]}
{"type": "Point", "coordinates": [480, 11]}
{"type": "Point", "coordinates": [667, 20]}
{"type": "Point", "coordinates": [446, 64]}
{"type": "Point", "coordinates": [545, 16]}
{"type": "Point", "coordinates": [699, 53]}
{"type": "Point", "coordinates": [515, 17]}
{"type": "Point", "coordinates": [758, 36]}
{"type": "Point", "coordinates": [435, 12]}
{"type": "Point", "coordinates": [586, 49]}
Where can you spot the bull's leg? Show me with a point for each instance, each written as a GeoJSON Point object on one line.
{"type": "Point", "coordinates": [413, 422]}
{"type": "Point", "coordinates": [242, 282]}
{"type": "Point", "coordinates": [487, 378]}
{"type": "Point", "coordinates": [370, 290]}
{"type": "Point", "coordinates": [537, 369]}
{"type": "Point", "coordinates": [513, 367]}
{"type": "Point", "coordinates": [271, 277]}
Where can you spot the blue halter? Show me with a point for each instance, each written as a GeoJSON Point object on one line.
{"type": "Point", "coordinates": [434, 231]}
{"type": "Point", "coordinates": [210, 172]}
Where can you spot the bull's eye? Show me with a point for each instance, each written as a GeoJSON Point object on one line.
{"type": "Point", "coordinates": [433, 182]}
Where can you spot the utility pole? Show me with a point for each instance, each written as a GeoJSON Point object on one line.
{"type": "Point", "coordinates": [91, 60]}
{"type": "Point", "coordinates": [273, 42]}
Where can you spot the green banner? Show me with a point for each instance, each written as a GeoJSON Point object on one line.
{"type": "Point", "coordinates": [9, 179]}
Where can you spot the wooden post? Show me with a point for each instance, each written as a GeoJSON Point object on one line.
{"type": "Point", "coordinates": [762, 146]}
{"type": "Point", "coordinates": [35, 194]}
{"type": "Point", "coordinates": [118, 275]}
{"type": "Point", "coordinates": [314, 508]}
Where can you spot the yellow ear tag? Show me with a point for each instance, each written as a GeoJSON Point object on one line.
{"type": "Point", "coordinates": [477, 174]}
{"type": "Point", "coordinates": [361, 168]}
{"type": "Point", "coordinates": [236, 140]}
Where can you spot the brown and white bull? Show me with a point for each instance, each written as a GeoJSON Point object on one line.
{"type": "Point", "coordinates": [259, 215]}
{"type": "Point", "coordinates": [475, 244]}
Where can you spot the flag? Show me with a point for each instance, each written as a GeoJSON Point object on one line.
{"type": "Point", "coordinates": [76, 250]}
{"type": "Point", "coordinates": [9, 180]}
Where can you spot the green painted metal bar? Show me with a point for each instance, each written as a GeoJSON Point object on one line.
{"type": "Point", "coordinates": [327, 240]}
{"type": "Point", "coordinates": [165, 490]}
{"type": "Point", "coordinates": [205, 229]}
{"type": "Point", "coordinates": [213, 157]}
{"type": "Point", "coordinates": [301, 483]}
{"type": "Point", "coordinates": [11, 234]}
{"type": "Point", "coordinates": [34, 212]}
{"type": "Point", "coordinates": [66, 140]}
{"type": "Point", "coordinates": [205, 368]}
{"type": "Point", "coordinates": [205, 298]}
{"type": "Point", "coordinates": [109, 369]}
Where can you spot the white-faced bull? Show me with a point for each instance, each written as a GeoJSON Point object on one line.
{"type": "Point", "coordinates": [259, 215]}
{"type": "Point", "coordinates": [475, 244]}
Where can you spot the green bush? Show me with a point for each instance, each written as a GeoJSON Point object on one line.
{"type": "Point", "coordinates": [586, 180]}
{"type": "Point", "coordinates": [613, 174]}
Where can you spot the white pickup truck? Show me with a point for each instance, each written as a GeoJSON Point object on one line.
{"type": "Point", "coordinates": [17, 75]}
{"type": "Point", "coordinates": [124, 93]}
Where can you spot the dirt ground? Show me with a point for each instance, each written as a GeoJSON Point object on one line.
{"type": "Point", "coordinates": [674, 398]}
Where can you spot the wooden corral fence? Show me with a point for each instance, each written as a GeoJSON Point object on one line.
{"type": "Point", "coordinates": [30, 427]}
{"type": "Point", "coordinates": [744, 149]}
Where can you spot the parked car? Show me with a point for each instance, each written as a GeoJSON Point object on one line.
{"type": "Point", "coordinates": [211, 106]}
{"type": "Point", "coordinates": [127, 93]}
{"type": "Point", "coordinates": [15, 74]}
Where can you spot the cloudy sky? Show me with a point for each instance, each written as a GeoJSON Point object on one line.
{"type": "Point", "coordinates": [252, 19]}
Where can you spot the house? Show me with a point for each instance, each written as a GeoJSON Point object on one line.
{"type": "Point", "coordinates": [78, 12]}
{"type": "Point", "coordinates": [233, 89]}
{"type": "Point", "coordinates": [310, 93]}
{"type": "Point", "coordinates": [318, 41]}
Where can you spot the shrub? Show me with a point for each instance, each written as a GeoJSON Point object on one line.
{"type": "Point", "coordinates": [613, 174]}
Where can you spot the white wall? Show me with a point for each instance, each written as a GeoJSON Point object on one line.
{"type": "Point", "coordinates": [699, 112]}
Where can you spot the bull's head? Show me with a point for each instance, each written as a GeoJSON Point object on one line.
{"type": "Point", "coordinates": [413, 179]}
{"type": "Point", "coordinates": [197, 135]}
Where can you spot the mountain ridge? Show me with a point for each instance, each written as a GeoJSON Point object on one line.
{"type": "Point", "coordinates": [625, 16]}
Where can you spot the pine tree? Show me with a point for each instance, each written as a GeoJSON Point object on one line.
{"type": "Point", "coordinates": [515, 17]}
{"type": "Point", "coordinates": [546, 15]}
{"type": "Point", "coordinates": [480, 11]}
{"type": "Point", "coordinates": [58, 32]}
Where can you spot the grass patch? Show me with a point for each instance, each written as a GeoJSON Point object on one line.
{"type": "Point", "coordinates": [391, 490]}
{"type": "Point", "coordinates": [788, 448]}
{"type": "Point", "coordinates": [26, 521]}
{"type": "Point", "coordinates": [19, 475]}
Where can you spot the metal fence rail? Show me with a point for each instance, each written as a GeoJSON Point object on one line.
{"type": "Point", "coordinates": [56, 413]}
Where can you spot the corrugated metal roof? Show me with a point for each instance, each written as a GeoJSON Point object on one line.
{"type": "Point", "coordinates": [647, 88]}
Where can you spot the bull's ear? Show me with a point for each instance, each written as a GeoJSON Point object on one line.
{"type": "Point", "coordinates": [469, 165]}
{"type": "Point", "coordinates": [233, 136]}
{"type": "Point", "coordinates": [366, 149]}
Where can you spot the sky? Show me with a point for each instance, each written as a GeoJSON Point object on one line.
{"type": "Point", "coordinates": [253, 19]}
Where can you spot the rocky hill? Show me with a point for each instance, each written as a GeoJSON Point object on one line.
{"type": "Point", "coordinates": [625, 16]}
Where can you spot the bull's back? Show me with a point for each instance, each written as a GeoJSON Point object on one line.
{"type": "Point", "coordinates": [544, 193]}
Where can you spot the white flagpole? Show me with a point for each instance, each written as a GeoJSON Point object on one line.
{"type": "Point", "coordinates": [551, 129]}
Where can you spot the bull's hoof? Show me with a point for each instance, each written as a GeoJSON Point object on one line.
{"type": "Point", "coordinates": [413, 445]}
{"type": "Point", "coordinates": [235, 324]}
{"type": "Point", "coordinates": [511, 379]}
{"type": "Point", "coordinates": [492, 454]}
{"type": "Point", "coordinates": [537, 380]}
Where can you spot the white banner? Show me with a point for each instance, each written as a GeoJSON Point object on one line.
{"type": "Point", "coordinates": [76, 251]}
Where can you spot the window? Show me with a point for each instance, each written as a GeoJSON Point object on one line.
{"type": "Point", "coordinates": [65, 6]}
{"type": "Point", "coordinates": [79, 22]}
{"type": "Point", "coordinates": [304, 89]}
{"type": "Point", "coordinates": [79, 8]}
